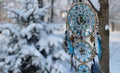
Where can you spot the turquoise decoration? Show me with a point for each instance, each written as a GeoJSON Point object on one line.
{"type": "Point", "coordinates": [69, 43]}
{"type": "Point", "coordinates": [83, 51]}
{"type": "Point", "coordinates": [81, 17]}
{"type": "Point", "coordinates": [83, 69]}
{"type": "Point", "coordinates": [99, 47]}
{"type": "Point", "coordinates": [81, 25]}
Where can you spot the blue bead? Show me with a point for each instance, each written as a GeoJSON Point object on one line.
{"type": "Point", "coordinates": [84, 60]}
{"type": "Point", "coordinates": [92, 26]}
{"type": "Point", "coordinates": [77, 45]}
{"type": "Point", "coordinates": [80, 42]}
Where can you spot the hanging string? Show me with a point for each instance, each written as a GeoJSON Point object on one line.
{"type": "Point", "coordinates": [72, 61]}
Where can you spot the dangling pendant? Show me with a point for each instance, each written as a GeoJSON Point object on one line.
{"type": "Point", "coordinates": [95, 68]}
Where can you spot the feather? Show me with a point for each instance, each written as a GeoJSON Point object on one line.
{"type": "Point", "coordinates": [69, 43]}
{"type": "Point", "coordinates": [95, 68]}
{"type": "Point", "coordinates": [99, 47]}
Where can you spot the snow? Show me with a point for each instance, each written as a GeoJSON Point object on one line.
{"type": "Point", "coordinates": [11, 29]}
{"type": "Point", "coordinates": [62, 66]}
{"type": "Point", "coordinates": [36, 37]}
{"type": "Point", "coordinates": [20, 13]}
{"type": "Point", "coordinates": [1, 0]}
{"type": "Point", "coordinates": [106, 27]}
{"type": "Point", "coordinates": [28, 13]}
{"type": "Point", "coordinates": [62, 54]}
{"type": "Point", "coordinates": [96, 4]}
{"type": "Point", "coordinates": [53, 26]}
{"type": "Point", "coordinates": [28, 49]}
{"type": "Point", "coordinates": [6, 32]}
{"type": "Point", "coordinates": [15, 10]}
{"type": "Point", "coordinates": [18, 63]}
{"type": "Point", "coordinates": [114, 52]}
{"type": "Point", "coordinates": [49, 62]}
{"type": "Point", "coordinates": [16, 50]}
{"type": "Point", "coordinates": [54, 40]}
{"type": "Point", "coordinates": [42, 11]}
{"type": "Point", "coordinates": [30, 29]}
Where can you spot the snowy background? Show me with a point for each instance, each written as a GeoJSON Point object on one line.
{"type": "Point", "coordinates": [17, 31]}
{"type": "Point", "coordinates": [115, 52]}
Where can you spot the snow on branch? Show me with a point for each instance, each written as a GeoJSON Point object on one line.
{"type": "Point", "coordinates": [28, 32]}
{"type": "Point", "coordinates": [11, 29]}
{"type": "Point", "coordinates": [31, 15]}
{"type": "Point", "coordinates": [15, 11]}
{"type": "Point", "coordinates": [53, 27]}
{"type": "Point", "coordinates": [20, 13]}
{"type": "Point", "coordinates": [42, 11]}
{"type": "Point", "coordinates": [28, 13]}
{"type": "Point", "coordinates": [54, 40]}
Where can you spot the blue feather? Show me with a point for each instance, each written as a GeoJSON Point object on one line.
{"type": "Point", "coordinates": [99, 48]}
{"type": "Point", "coordinates": [70, 48]}
{"type": "Point", "coordinates": [95, 68]}
{"type": "Point", "coordinates": [69, 44]}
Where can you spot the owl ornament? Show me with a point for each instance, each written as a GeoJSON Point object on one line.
{"type": "Point", "coordinates": [82, 37]}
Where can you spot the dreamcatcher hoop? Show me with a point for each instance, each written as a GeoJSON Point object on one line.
{"type": "Point", "coordinates": [77, 18]}
{"type": "Point", "coordinates": [83, 51]}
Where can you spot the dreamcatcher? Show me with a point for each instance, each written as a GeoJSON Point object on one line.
{"type": "Point", "coordinates": [82, 36]}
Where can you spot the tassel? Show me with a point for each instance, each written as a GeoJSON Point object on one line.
{"type": "Point", "coordinates": [72, 61]}
{"type": "Point", "coordinates": [99, 46]}
{"type": "Point", "coordinates": [95, 68]}
{"type": "Point", "coordinates": [69, 43]}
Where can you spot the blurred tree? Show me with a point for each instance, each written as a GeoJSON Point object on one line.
{"type": "Point", "coordinates": [52, 10]}
{"type": "Point", "coordinates": [32, 46]}
{"type": "Point", "coordinates": [40, 5]}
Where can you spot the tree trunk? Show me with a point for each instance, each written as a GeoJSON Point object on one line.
{"type": "Point", "coordinates": [40, 5]}
{"type": "Point", "coordinates": [52, 10]}
{"type": "Point", "coordinates": [104, 20]}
